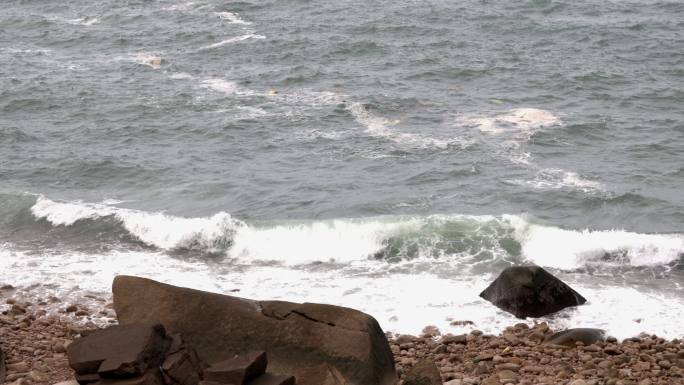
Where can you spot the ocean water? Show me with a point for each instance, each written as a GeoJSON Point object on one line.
{"type": "Point", "coordinates": [388, 156]}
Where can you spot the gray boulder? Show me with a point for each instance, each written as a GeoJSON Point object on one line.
{"type": "Point", "coordinates": [530, 291]}
{"type": "Point", "coordinates": [295, 336]}
{"type": "Point", "coordinates": [569, 337]}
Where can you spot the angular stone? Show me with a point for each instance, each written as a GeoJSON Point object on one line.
{"type": "Point", "coordinates": [119, 351]}
{"type": "Point", "coordinates": [530, 291]}
{"type": "Point", "coordinates": [570, 337]}
{"type": "Point", "coordinates": [449, 339]}
{"type": "Point", "coordinates": [323, 374]}
{"type": "Point", "coordinates": [181, 365]}
{"type": "Point", "coordinates": [296, 336]}
{"type": "Point", "coordinates": [238, 370]}
{"type": "Point", "coordinates": [425, 372]}
{"type": "Point", "coordinates": [273, 379]}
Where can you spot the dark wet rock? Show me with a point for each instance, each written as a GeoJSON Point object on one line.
{"type": "Point", "coordinates": [238, 370]}
{"type": "Point", "coordinates": [424, 372]}
{"type": "Point", "coordinates": [323, 374]}
{"type": "Point", "coordinates": [570, 337]}
{"type": "Point", "coordinates": [530, 291]}
{"type": "Point", "coordinates": [119, 351]}
{"type": "Point", "coordinates": [296, 336]}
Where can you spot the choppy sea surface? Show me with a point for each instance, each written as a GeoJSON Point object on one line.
{"type": "Point", "coordinates": [392, 156]}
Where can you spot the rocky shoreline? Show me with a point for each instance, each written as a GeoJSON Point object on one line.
{"type": "Point", "coordinates": [35, 342]}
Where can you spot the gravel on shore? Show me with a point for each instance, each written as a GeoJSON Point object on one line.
{"type": "Point", "coordinates": [35, 342]}
{"type": "Point", "coordinates": [519, 356]}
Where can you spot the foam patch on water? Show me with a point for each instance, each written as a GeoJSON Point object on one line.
{"type": "Point", "coordinates": [232, 17]}
{"type": "Point", "coordinates": [556, 179]}
{"type": "Point", "coordinates": [149, 59]}
{"type": "Point", "coordinates": [227, 87]}
{"type": "Point", "coordinates": [210, 234]}
{"type": "Point", "coordinates": [519, 120]}
{"type": "Point", "coordinates": [381, 127]}
{"type": "Point", "coordinates": [180, 76]}
{"type": "Point", "coordinates": [571, 249]}
{"type": "Point", "coordinates": [234, 40]}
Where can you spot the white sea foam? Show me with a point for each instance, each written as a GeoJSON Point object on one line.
{"type": "Point", "coordinates": [156, 229]}
{"type": "Point", "coordinates": [570, 249]}
{"type": "Point", "coordinates": [227, 87]}
{"type": "Point", "coordinates": [232, 18]}
{"type": "Point", "coordinates": [381, 127]}
{"type": "Point", "coordinates": [234, 40]}
{"type": "Point", "coordinates": [519, 120]}
{"type": "Point", "coordinates": [146, 58]}
{"type": "Point", "coordinates": [555, 179]}
{"type": "Point", "coordinates": [402, 303]}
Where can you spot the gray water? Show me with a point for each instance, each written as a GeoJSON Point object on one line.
{"type": "Point", "coordinates": [440, 137]}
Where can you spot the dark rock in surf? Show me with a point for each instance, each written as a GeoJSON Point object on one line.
{"type": "Point", "coordinates": [530, 291]}
{"type": "Point", "coordinates": [296, 336]}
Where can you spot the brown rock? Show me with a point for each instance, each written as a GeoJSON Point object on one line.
{"type": "Point", "coordinates": [119, 351]}
{"type": "Point", "coordinates": [238, 370]}
{"type": "Point", "coordinates": [450, 339]}
{"type": "Point", "coordinates": [84, 379]}
{"type": "Point", "coordinates": [323, 374]}
{"type": "Point", "coordinates": [296, 336]}
{"type": "Point", "coordinates": [273, 379]}
{"type": "Point", "coordinates": [3, 370]}
{"type": "Point", "coordinates": [181, 365]}
{"type": "Point", "coordinates": [425, 372]}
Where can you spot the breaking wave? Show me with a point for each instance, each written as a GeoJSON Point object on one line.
{"type": "Point", "coordinates": [459, 240]}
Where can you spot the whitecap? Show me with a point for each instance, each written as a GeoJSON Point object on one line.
{"type": "Point", "coordinates": [550, 246]}
{"type": "Point", "coordinates": [155, 229]}
{"type": "Point", "coordinates": [85, 21]}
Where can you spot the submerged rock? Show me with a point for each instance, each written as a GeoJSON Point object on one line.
{"type": "Point", "coordinates": [296, 336]}
{"type": "Point", "coordinates": [530, 291]}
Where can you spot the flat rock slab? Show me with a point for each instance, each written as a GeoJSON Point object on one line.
{"type": "Point", "coordinates": [119, 351]}
{"type": "Point", "coordinates": [530, 291]}
{"type": "Point", "coordinates": [296, 336]}
{"type": "Point", "coordinates": [238, 370]}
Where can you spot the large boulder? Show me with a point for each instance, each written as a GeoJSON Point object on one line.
{"type": "Point", "coordinates": [296, 336]}
{"type": "Point", "coordinates": [530, 291]}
